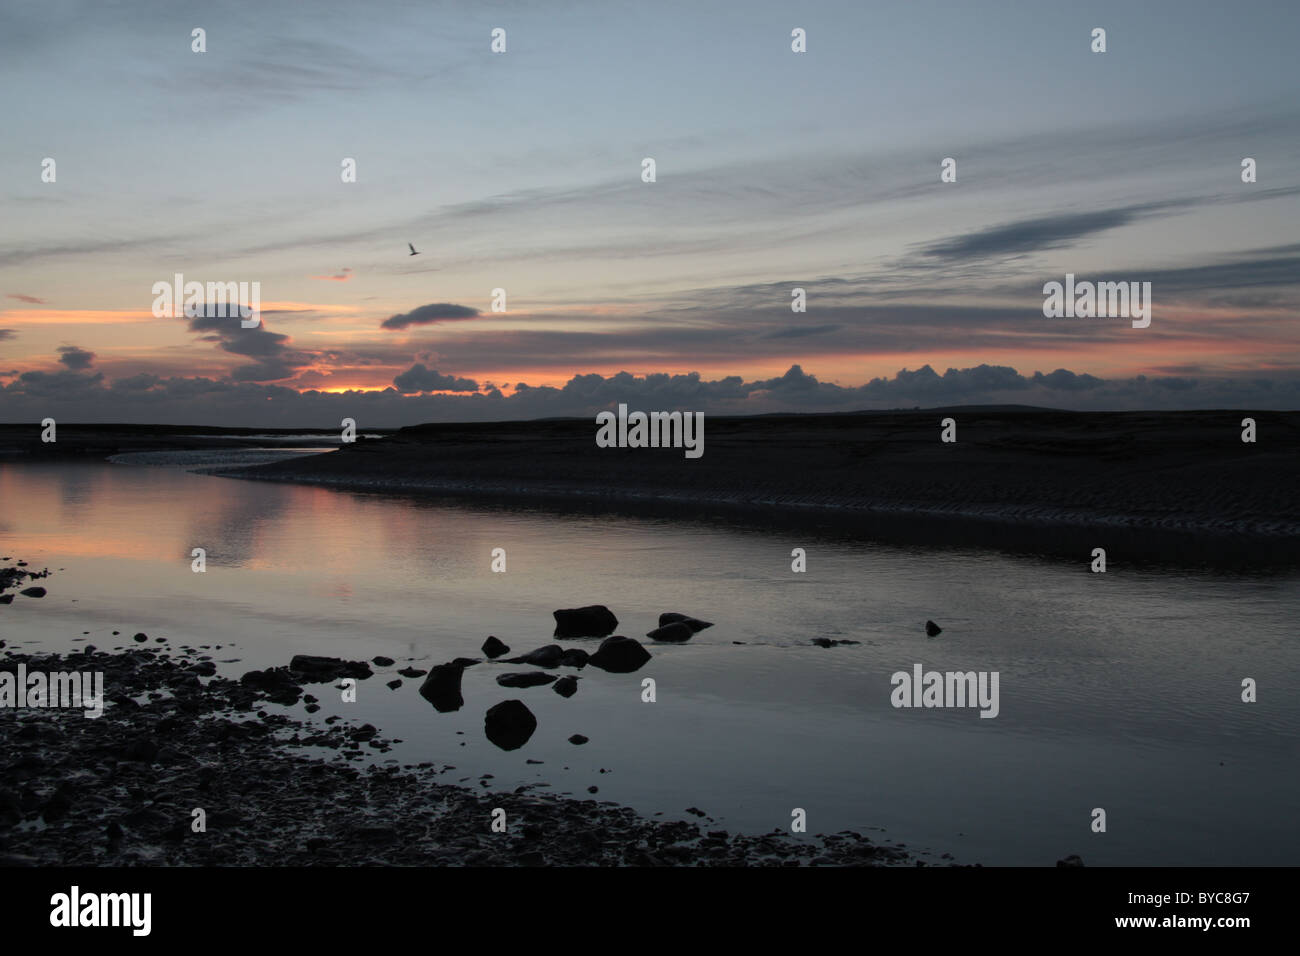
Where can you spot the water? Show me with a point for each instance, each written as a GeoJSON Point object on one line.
{"type": "Point", "coordinates": [1119, 691]}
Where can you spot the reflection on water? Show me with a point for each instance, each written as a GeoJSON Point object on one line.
{"type": "Point", "coordinates": [1119, 690]}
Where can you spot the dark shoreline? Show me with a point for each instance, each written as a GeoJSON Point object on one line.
{"type": "Point", "coordinates": [1178, 488]}
{"type": "Point", "coordinates": [1171, 488]}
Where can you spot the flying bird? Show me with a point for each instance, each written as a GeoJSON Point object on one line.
{"type": "Point", "coordinates": [412, 248]}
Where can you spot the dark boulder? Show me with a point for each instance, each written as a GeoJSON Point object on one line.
{"type": "Point", "coordinates": [578, 739]}
{"type": "Point", "coordinates": [33, 592]}
{"type": "Point", "coordinates": [1071, 860]}
{"type": "Point", "coordinates": [529, 679]}
{"type": "Point", "coordinates": [509, 724]}
{"type": "Point", "coordinates": [275, 683]}
{"type": "Point", "coordinates": [548, 656]}
{"type": "Point", "coordinates": [672, 617]}
{"type": "Point", "coordinates": [320, 670]}
{"type": "Point", "coordinates": [6, 599]}
{"type": "Point", "coordinates": [620, 655]}
{"type": "Point", "coordinates": [442, 688]}
{"type": "Point", "coordinates": [575, 657]}
{"type": "Point", "coordinates": [566, 686]}
{"type": "Point", "coordinates": [380, 661]}
{"type": "Point", "coordinates": [494, 648]}
{"type": "Point", "coordinates": [674, 633]}
{"type": "Point", "coordinates": [595, 620]}
{"type": "Point", "coordinates": [932, 629]}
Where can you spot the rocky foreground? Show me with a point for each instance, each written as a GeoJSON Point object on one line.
{"type": "Point", "coordinates": [122, 789]}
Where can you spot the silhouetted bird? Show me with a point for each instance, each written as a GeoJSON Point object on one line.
{"type": "Point", "coordinates": [412, 248]}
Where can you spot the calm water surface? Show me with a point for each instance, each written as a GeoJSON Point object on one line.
{"type": "Point", "coordinates": [1119, 691]}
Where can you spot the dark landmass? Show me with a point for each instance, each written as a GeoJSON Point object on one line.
{"type": "Point", "coordinates": [1170, 486]}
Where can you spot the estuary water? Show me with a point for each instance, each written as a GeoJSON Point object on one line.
{"type": "Point", "coordinates": [1120, 691]}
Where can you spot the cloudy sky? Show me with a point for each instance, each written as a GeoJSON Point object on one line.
{"type": "Point", "coordinates": [522, 171]}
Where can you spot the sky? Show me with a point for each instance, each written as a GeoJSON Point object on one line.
{"type": "Point", "coordinates": [522, 171]}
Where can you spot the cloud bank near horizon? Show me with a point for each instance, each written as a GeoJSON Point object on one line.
{"type": "Point", "coordinates": [86, 397]}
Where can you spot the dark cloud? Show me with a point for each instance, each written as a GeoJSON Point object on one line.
{"type": "Point", "coordinates": [428, 314]}
{"type": "Point", "coordinates": [26, 298]}
{"type": "Point", "coordinates": [417, 378]}
{"type": "Point", "coordinates": [273, 359]}
{"type": "Point", "coordinates": [1045, 232]}
{"type": "Point", "coordinates": [148, 398]}
{"type": "Point", "coordinates": [1063, 380]}
{"type": "Point", "coordinates": [799, 333]}
{"type": "Point", "coordinates": [8, 334]}
{"type": "Point", "coordinates": [75, 358]}
{"type": "Point", "coordinates": [66, 386]}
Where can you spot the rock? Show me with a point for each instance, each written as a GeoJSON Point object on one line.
{"type": "Point", "coordinates": [575, 657]}
{"type": "Point", "coordinates": [1071, 860]}
{"type": "Point", "coordinates": [33, 592]}
{"type": "Point", "coordinates": [932, 629]}
{"type": "Point", "coordinates": [380, 661]}
{"type": "Point", "coordinates": [321, 670]}
{"type": "Point", "coordinates": [57, 807]}
{"type": "Point", "coordinates": [375, 834]}
{"type": "Point", "coordinates": [578, 739]}
{"type": "Point", "coordinates": [595, 620]}
{"type": "Point", "coordinates": [494, 648]}
{"type": "Point", "coordinates": [394, 684]}
{"type": "Point", "coordinates": [673, 633]}
{"type": "Point", "coordinates": [529, 679]}
{"type": "Point", "coordinates": [509, 724]}
{"type": "Point", "coordinates": [276, 683]}
{"type": "Point", "coordinates": [566, 686]}
{"type": "Point", "coordinates": [6, 599]}
{"type": "Point", "coordinates": [672, 617]}
{"type": "Point", "coordinates": [620, 655]}
{"type": "Point", "coordinates": [548, 656]}
{"type": "Point", "coordinates": [412, 672]}
{"type": "Point", "coordinates": [142, 748]}
{"type": "Point", "coordinates": [829, 642]}
{"type": "Point", "coordinates": [442, 688]}
{"type": "Point", "coordinates": [140, 638]}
